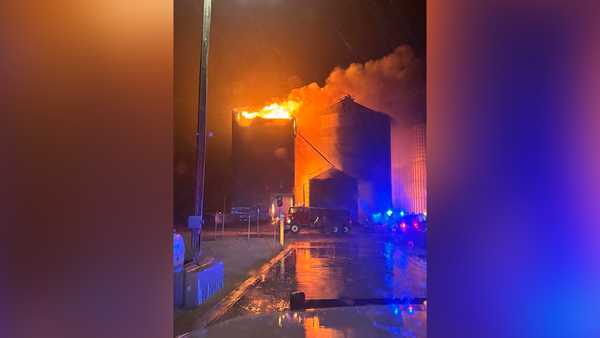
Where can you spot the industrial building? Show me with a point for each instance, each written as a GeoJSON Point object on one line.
{"type": "Point", "coordinates": [410, 172]}
{"type": "Point", "coordinates": [262, 160]}
{"type": "Point", "coordinates": [339, 158]}
{"type": "Point", "coordinates": [355, 141]}
{"type": "Point", "coordinates": [418, 172]}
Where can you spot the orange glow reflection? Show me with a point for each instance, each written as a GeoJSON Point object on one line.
{"type": "Point", "coordinates": [316, 276]}
{"type": "Point", "coordinates": [314, 329]}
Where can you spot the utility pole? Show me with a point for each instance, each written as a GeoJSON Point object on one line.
{"type": "Point", "coordinates": [195, 222]}
{"type": "Point", "coordinates": [258, 222]}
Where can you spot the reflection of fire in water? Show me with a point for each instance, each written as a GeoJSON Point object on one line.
{"type": "Point", "coordinates": [260, 305]}
{"type": "Point", "coordinates": [314, 329]}
{"type": "Point", "coordinates": [274, 111]}
{"type": "Point", "coordinates": [318, 277]}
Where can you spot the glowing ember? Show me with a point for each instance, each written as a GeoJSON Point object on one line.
{"type": "Point", "coordinates": [274, 111]}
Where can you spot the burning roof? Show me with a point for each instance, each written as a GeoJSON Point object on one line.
{"type": "Point", "coordinates": [275, 111]}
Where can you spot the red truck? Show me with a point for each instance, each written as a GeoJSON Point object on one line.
{"type": "Point", "coordinates": [327, 220]}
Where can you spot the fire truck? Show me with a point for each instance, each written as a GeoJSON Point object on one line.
{"type": "Point", "coordinates": [326, 220]}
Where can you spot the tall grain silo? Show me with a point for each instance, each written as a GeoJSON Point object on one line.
{"type": "Point", "coordinates": [357, 140]}
{"type": "Point", "coordinates": [262, 160]}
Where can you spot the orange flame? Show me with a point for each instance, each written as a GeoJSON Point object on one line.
{"type": "Point", "coordinates": [274, 111]}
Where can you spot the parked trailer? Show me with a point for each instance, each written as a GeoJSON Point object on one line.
{"type": "Point", "coordinates": [326, 220]}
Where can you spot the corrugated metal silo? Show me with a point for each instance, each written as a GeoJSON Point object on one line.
{"type": "Point", "coordinates": [357, 140]}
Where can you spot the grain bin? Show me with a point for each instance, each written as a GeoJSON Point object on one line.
{"type": "Point", "coordinates": [357, 141]}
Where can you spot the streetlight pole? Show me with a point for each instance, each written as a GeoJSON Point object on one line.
{"type": "Point", "coordinates": [195, 222]}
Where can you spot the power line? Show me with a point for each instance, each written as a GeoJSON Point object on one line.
{"type": "Point", "coordinates": [315, 149]}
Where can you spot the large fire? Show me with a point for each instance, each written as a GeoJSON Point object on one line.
{"type": "Point", "coordinates": [274, 111]}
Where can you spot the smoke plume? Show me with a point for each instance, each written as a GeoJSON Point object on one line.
{"type": "Point", "coordinates": [393, 84]}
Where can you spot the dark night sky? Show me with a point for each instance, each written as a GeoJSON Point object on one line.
{"type": "Point", "coordinates": [261, 49]}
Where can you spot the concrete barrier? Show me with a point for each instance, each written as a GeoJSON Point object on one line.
{"type": "Point", "coordinates": [202, 282]}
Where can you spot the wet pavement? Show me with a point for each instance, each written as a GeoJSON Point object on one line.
{"type": "Point", "coordinates": [365, 266]}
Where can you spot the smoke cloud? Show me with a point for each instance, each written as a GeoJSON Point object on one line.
{"type": "Point", "coordinates": [393, 84]}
